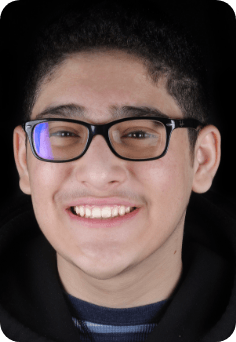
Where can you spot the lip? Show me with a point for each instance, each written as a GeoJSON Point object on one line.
{"type": "Point", "coordinates": [99, 223]}
{"type": "Point", "coordinates": [101, 202]}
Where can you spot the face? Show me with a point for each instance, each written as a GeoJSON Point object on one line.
{"type": "Point", "coordinates": [160, 188]}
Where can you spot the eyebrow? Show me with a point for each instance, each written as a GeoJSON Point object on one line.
{"type": "Point", "coordinates": [79, 112]}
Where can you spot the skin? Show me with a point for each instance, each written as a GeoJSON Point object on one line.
{"type": "Point", "coordinates": [137, 263]}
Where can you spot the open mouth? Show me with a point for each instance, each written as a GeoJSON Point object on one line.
{"type": "Point", "coordinates": [72, 209]}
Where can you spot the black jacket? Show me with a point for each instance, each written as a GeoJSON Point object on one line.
{"type": "Point", "coordinates": [203, 308]}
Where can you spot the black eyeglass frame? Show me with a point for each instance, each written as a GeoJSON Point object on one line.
{"type": "Point", "coordinates": [103, 129]}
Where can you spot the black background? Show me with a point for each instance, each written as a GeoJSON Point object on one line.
{"type": "Point", "coordinates": [211, 22]}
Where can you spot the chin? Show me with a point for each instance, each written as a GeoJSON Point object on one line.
{"type": "Point", "coordinates": [102, 269]}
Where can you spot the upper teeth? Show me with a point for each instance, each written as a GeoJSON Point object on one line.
{"type": "Point", "coordinates": [105, 212]}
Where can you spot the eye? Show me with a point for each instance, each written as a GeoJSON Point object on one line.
{"type": "Point", "coordinates": [63, 134]}
{"type": "Point", "coordinates": [138, 134]}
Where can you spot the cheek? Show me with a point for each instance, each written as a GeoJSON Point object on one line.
{"type": "Point", "coordinates": [167, 181]}
{"type": "Point", "coordinates": [162, 177]}
{"type": "Point", "coordinates": [45, 180]}
{"type": "Point", "coordinates": [161, 181]}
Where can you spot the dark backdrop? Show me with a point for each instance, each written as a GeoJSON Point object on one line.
{"type": "Point", "coordinates": [212, 23]}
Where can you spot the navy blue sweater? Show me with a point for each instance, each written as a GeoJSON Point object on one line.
{"type": "Point", "coordinates": [104, 324]}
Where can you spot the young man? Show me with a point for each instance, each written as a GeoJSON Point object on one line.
{"type": "Point", "coordinates": [115, 139]}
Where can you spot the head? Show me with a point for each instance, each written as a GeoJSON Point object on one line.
{"type": "Point", "coordinates": [104, 58]}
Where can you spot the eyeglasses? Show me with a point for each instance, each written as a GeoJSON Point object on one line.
{"type": "Point", "coordinates": [135, 139]}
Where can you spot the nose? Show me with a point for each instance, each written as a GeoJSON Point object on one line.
{"type": "Point", "coordinates": [99, 168]}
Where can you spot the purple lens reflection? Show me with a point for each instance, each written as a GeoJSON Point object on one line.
{"type": "Point", "coordinates": [42, 141]}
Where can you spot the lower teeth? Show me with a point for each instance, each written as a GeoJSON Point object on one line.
{"type": "Point", "coordinates": [101, 218]}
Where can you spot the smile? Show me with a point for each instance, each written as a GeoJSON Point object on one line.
{"type": "Point", "coordinates": [93, 217]}
{"type": "Point", "coordinates": [103, 213]}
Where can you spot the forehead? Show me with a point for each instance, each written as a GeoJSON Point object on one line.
{"type": "Point", "coordinates": [100, 81]}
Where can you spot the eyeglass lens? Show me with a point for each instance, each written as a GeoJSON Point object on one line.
{"type": "Point", "coordinates": [133, 139]}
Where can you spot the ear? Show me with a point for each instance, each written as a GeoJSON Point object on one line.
{"type": "Point", "coordinates": [207, 158]}
{"type": "Point", "coordinates": [20, 155]}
